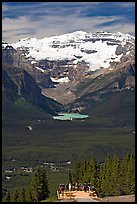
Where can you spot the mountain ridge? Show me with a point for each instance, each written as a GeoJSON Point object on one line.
{"type": "Point", "coordinates": [17, 83]}
{"type": "Point", "coordinates": [77, 46]}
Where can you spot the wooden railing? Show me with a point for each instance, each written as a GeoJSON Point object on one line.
{"type": "Point", "coordinates": [65, 194]}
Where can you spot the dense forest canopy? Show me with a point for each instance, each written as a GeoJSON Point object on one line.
{"type": "Point", "coordinates": [113, 177]}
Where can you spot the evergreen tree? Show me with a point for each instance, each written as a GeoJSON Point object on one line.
{"type": "Point", "coordinates": [16, 196]}
{"type": "Point", "coordinates": [22, 196]}
{"type": "Point", "coordinates": [100, 180]}
{"type": "Point", "coordinates": [84, 170]}
{"type": "Point", "coordinates": [93, 172]}
{"type": "Point", "coordinates": [29, 197]}
{"type": "Point", "coordinates": [8, 197]}
{"type": "Point", "coordinates": [70, 177]}
{"type": "Point", "coordinates": [39, 185]}
{"type": "Point", "coordinates": [76, 173]}
{"type": "Point", "coordinates": [122, 174]}
{"type": "Point", "coordinates": [115, 178]}
{"type": "Point", "coordinates": [106, 176]}
{"type": "Point", "coordinates": [130, 174]}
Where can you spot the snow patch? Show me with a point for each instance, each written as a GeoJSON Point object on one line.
{"type": "Point", "coordinates": [33, 62]}
{"type": "Point", "coordinates": [40, 69]}
{"type": "Point", "coordinates": [60, 80]}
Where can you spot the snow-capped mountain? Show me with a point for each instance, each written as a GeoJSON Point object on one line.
{"type": "Point", "coordinates": [61, 65]}
{"type": "Point", "coordinates": [4, 44]}
{"type": "Point", "coordinates": [96, 50]}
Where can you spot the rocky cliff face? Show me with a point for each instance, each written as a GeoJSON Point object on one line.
{"type": "Point", "coordinates": [17, 82]}
{"type": "Point", "coordinates": [17, 60]}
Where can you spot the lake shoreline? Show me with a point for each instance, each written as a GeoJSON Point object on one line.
{"type": "Point", "coordinates": [70, 116]}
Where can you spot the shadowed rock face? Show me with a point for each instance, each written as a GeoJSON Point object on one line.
{"type": "Point", "coordinates": [9, 88]}
{"type": "Point", "coordinates": [17, 82]}
{"type": "Point", "coordinates": [11, 57]}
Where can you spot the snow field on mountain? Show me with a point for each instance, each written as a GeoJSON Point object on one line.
{"type": "Point", "coordinates": [73, 46]}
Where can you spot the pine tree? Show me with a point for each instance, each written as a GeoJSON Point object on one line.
{"type": "Point", "coordinates": [100, 180]}
{"type": "Point", "coordinates": [122, 174]}
{"type": "Point", "coordinates": [29, 197]}
{"type": "Point", "coordinates": [39, 185]}
{"type": "Point", "coordinates": [76, 173]}
{"type": "Point", "coordinates": [16, 196]}
{"type": "Point", "coordinates": [106, 176]}
{"type": "Point", "coordinates": [22, 196]}
{"type": "Point", "coordinates": [93, 171]}
{"type": "Point", "coordinates": [130, 174]}
{"type": "Point", "coordinates": [70, 177]}
{"type": "Point", "coordinates": [8, 197]}
{"type": "Point", "coordinates": [115, 176]}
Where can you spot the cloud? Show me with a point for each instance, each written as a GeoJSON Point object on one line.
{"type": "Point", "coordinates": [49, 8]}
{"type": "Point", "coordinates": [127, 4]}
{"type": "Point", "coordinates": [5, 8]}
{"type": "Point", "coordinates": [47, 19]}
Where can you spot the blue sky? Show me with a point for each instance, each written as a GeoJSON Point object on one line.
{"type": "Point", "coordinates": [42, 19]}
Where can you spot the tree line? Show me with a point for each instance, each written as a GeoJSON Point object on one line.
{"type": "Point", "coordinates": [38, 189]}
{"type": "Point", "coordinates": [113, 177]}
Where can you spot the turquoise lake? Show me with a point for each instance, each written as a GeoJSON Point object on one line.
{"type": "Point", "coordinates": [70, 116]}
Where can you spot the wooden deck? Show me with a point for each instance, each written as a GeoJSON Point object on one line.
{"type": "Point", "coordinates": [73, 195]}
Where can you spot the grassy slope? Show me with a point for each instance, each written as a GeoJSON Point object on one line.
{"type": "Point", "coordinates": [21, 110]}
{"type": "Point", "coordinates": [114, 109]}
{"type": "Point", "coordinates": [90, 85]}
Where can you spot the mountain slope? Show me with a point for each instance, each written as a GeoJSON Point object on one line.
{"type": "Point", "coordinates": [121, 76]}
{"type": "Point", "coordinates": [112, 108]}
{"type": "Point", "coordinates": [75, 58]}
{"type": "Point", "coordinates": [108, 96]}
{"type": "Point", "coordinates": [18, 84]}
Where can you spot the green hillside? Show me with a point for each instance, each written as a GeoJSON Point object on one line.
{"type": "Point", "coordinates": [113, 109]}
{"type": "Point", "coordinates": [21, 110]}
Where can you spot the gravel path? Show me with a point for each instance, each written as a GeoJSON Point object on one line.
{"type": "Point", "coordinates": [85, 200]}
{"type": "Point", "coordinates": [126, 198]}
